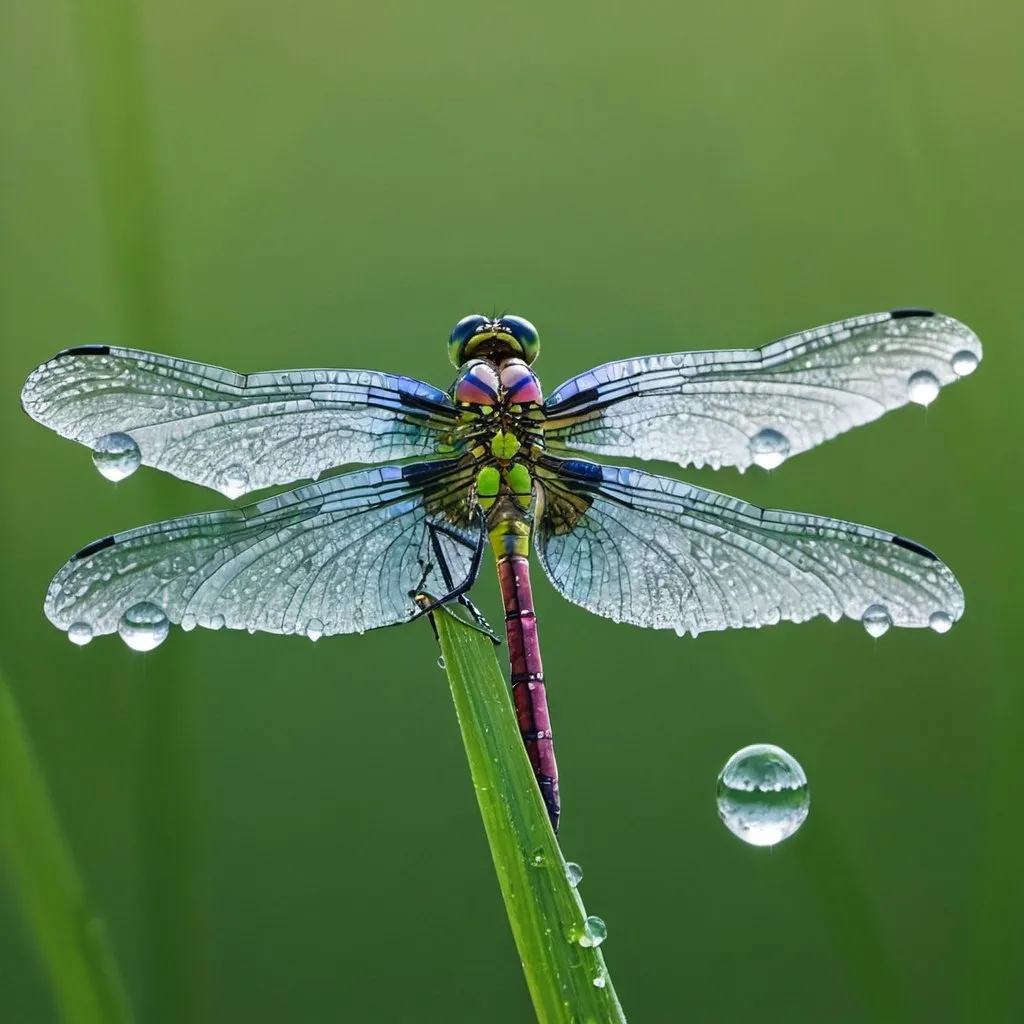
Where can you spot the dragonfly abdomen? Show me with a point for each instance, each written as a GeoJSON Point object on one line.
{"type": "Point", "coordinates": [528, 691]}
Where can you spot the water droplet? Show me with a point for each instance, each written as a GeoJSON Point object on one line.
{"type": "Point", "coordinates": [216, 622]}
{"type": "Point", "coordinates": [538, 858]}
{"type": "Point", "coordinates": [116, 456]}
{"type": "Point", "coordinates": [80, 633]}
{"type": "Point", "coordinates": [573, 872]}
{"type": "Point", "coordinates": [763, 796]}
{"type": "Point", "coordinates": [923, 387]}
{"type": "Point", "coordinates": [595, 931]}
{"type": "Point", "coordinates": [440, 661]}
{"type": "Point", "coordinates": [315, 629]}
{"type": "Point", "coordinates": [769, 448]}
{"type": "Point", "coordinates": [144, 626]}
{"type": "Point", "coordinates": [188, 623]}
{"type": "Point", "coordinates": [233, 482]}
{"type": "Point", "coordinates": [876, 620]}
{"type": "Point", "coordinates": [599, 982]}
{"type": "Point", "coordinates": [941, 622]}
{"type": "Point", "coordinates": [964, 362]}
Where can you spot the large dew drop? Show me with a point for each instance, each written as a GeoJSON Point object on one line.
{"type": "Point", "coordinates": [941, 622]}
{"type": "Point", "coordinates": [573, 873]}
{"type": "Point", "coordinates": [763, 796]}
{"type": "Point", "coordinates": [79, 633]}
{"type": "Point", "coordinates": [233, 482]}
{"type": "Point", "coordinates": [923, 387]}
{"type": "Point", "coordinates": [144, 626]}
{"type": "Point", "coordinates": [769, 448]}
{"type": "Point", "coordinates": [116, 456]}
{"type": "Point", "coordinates": [964, 362]}
{"type": "Point", "coordinates": [876, 620]}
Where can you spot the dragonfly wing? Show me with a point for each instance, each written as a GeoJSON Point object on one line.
{"type": "Point", "coordinates": [340, 556]}
{"type": "Point", "coordinates": [658, 553]}
{"type": "Point", "coordinates": [737, 406]}
{"type": "Point", "coordinates": [234, 432]}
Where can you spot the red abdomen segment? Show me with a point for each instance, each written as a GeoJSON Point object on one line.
{"type": "Point", "coordinates": [528, 692]}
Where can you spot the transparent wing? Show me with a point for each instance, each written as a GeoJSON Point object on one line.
{"type": "Point", "coordinates": [340, 556]}
{"type": "Point", "coordinates": [737, 406]}
{"type": "Point", "coordinates": [234, 432]}
{"type": "Point", "coordinates": [655, 552]}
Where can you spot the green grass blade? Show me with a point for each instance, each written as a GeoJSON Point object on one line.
{"type": "Point", "coordinates": [69, 936]}
{"type": "Point", "coordinates": [545, 912]}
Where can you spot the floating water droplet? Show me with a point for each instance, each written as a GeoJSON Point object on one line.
{"type": "Point", "coordinates": [923, 387]}
{"type": "Point", "coordinates": [440, 661]}
{"type": "Point", "coordinates": [941, 622]}
{"type": "Point", "coordinates": [762, 795]}
{"type": "Point", "coordinates": [144, 626]}
{"type": "Point", "coordinates": [233, 482]}
{"type": "Point", "coordinates": [573, 872]}
{"type": "Point", "coordinates": [599, 981]}
{"type": "Point", "coordinates": [595, 931]}
{"type": "Point", "coordinates": [216, 622]}
{"type": "Point", "coordinates": [79, 633]}
{"type": "Point", "coordinates": [876, 620]}
{"type": "Point", "coordinates": [964, 362]}
{"type": "Point", "coordinates": [116, 456]}
{"type": "Point", "coordinates": [769, 448]}
{"type": "Point", "coordinates": [315, 629]}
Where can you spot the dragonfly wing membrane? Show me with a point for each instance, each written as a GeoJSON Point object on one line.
{"type": "Point", "coordinates": [655, 552]}
{"type": "Point", "coordinates": [734, 407]}
{"type": "Point", "coordinates": [340, 556]}
{"type": "Point", "coordinates": [233, 432]}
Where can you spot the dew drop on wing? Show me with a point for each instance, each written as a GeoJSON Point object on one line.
{"type": "Point", "coordinates": [80, 633]}
{"type": "Point", "coordinates": [762, 794]}
{"type": "Point", "coordinates": [314, 629]}
{"type": "Point", "coordinates": [769, 448]}
{"type": "Point", "coordinates": [216, 622]}
{"type": "Point", "coordinates": [233, 481]}
{"type": "Point", "coordinates": [144, 626]}
{"type": "Point", "coordinates": [923, 387]}
{"type": "Point", "coordinates": [116, 456]}
{"type": "Point", "coordinates": [941, 622]}
{"type": "Point", "coordinates": [573, 873]}
{"type": "Point", "coordinates": [876, 620]}
{"type": "Point", "coordinates": [595, 931]}
{"type": "Point", "coordinates": [964, 362]}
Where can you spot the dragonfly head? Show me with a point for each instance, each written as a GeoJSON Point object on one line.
{"type": "Point", "coordinates": [494, 339]}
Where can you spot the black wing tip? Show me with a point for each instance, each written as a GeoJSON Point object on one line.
{"type": "Point", "coordinates": [91, 549]}
{"type": "Point", "coordinates": [85, 350]}
{"type": "Point", "coordinates": [918, 549]}
{"type": "Point", "coordinates": [907, 311]}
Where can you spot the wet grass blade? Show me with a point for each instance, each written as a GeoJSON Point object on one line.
{"type": "Point", "coordinates": [69, 936]}
{"type": "Point", "coordinates": [567, 981]}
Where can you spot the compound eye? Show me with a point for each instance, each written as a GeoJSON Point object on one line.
{"type": "Point", "coordinates": [520, 383]}
{"type": "Point", "coordinates": [462, 332]}
{"type": "Point", "coordinates": [478, 384]}
{"type": "Point", "coordinates": [525, 334]}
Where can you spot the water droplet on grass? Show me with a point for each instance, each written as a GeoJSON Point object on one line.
{"type": "Point", "coordinates": [595, 931]}
{"type": "Point", "coordinates": [573, 872]}
{"type": "Point", "coordinates": [762, 795]}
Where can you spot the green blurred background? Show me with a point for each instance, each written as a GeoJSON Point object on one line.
{"type": "Point", "coordinates": [276, 831]}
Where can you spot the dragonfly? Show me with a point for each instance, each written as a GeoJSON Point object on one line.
{"type": "Point", "coordinates": [492, 463]}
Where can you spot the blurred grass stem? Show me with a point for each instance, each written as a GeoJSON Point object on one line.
{"type": "Point", "coordinates": [69, 936]}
